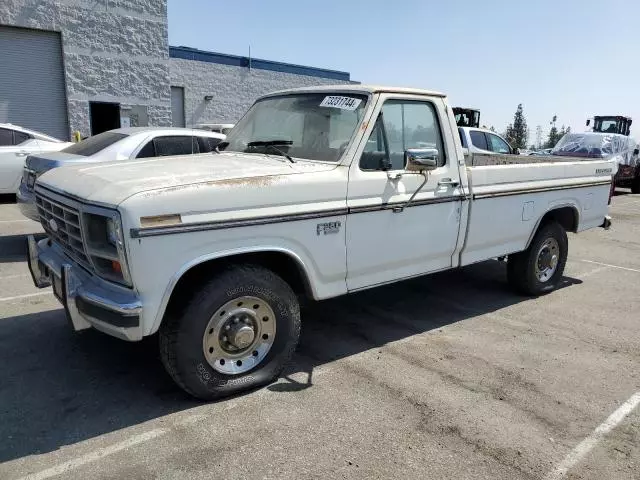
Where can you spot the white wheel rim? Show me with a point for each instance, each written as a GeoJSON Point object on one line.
{"type": "Point", "coordinates": [547, 260]}
{"type": "Point", "coordinates": [239, 335]}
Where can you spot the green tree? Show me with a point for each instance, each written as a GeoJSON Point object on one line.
{"type": "Point", "coordinates": [554, 134]}
{"type": "Point", "coordinates": [517, 132]}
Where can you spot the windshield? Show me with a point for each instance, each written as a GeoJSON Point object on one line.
{"type": "Point", "coordinates": [93, 145]}
{"type": "Point", "coordinates": [606, 125]}
{"type": "Point", "coordinates": [312, 126]}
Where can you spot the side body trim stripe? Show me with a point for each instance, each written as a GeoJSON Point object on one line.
{"type": "Point", "coordinates": [522, 191]}
{"type": "Point", "coordinates": [249, 222]}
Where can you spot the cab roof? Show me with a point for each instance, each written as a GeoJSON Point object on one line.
{"type": "Point", "coordinates": [366, 89]}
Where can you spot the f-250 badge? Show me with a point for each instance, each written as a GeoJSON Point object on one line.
{"type": "Point", "coordinates": [328, 228]}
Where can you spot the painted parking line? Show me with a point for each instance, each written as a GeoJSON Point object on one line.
{"type": "Point", "coordinates": [593, 272]}
{"type": "Point", "coordinates": [95, 455]}
{"type": "Point", "coordinates": [592, 440]}
{"type": "Point", "coordinates": [19, 275]}
{"type": "Point", "coordinates": [611, 266]}
{"type": "Point", "coordinates": [195, 419]}
{"type": "Point", "coordinates": [28, 295]}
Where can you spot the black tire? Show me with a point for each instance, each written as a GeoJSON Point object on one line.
{"type": "Point", "coordinates": [521, 267]}
{"type": "Point", "coordinates": [635, 185]}
{"type": "Point", "coordinates": [181, 335]}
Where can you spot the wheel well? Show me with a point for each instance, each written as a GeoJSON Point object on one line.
{"type": "Point", "coordinates": [282, 264]}
{"type": "Point", "coordinates": [567, 217]}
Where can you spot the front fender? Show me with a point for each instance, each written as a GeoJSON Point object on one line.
{"type": "Point", "coordinates": [186, 267]}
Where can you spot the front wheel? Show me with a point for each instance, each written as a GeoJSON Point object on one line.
{"type": "Point", "coordinates": [538, 270]}
{"type": "Point", "coordinates": [236, 333]}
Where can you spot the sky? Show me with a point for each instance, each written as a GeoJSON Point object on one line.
{"type": "Point", "coordinates": [570, 58]}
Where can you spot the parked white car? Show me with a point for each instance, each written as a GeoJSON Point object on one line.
{"type": "Point", "coordinates": [120, 144]}
{"type": "Point", "coordinates": [216, 127]}
{"type": "Point", "coordinates": [15, 144]}
{"type": "Point", "coordinates": [318, 192]}
{"type": "Point", "coordinates": [482, 140]}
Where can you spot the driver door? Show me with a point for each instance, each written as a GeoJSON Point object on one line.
{"type": "Point", "coordinates": [386, 242]}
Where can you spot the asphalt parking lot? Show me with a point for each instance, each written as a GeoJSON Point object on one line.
{"type": "Point", "coordinates": [447, 377]}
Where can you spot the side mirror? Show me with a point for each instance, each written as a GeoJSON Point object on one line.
{"type": "Point", "coordinates": [636, 151]}
{"type": "Point", "coordinates": [515, 151]}
{"type": "Point", "coordinates": [421, 159]}
{"type": "Point", "coordinates": [588, 122]}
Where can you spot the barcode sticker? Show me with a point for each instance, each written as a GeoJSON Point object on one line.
{"type": "Point", "coordinates": [343, 103]}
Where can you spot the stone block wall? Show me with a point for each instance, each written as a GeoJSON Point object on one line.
{"type": "Point", "coordinates": [113, 51]}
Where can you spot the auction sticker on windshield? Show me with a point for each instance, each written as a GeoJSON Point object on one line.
{"type": "Point", "coordinates": [344, 103]}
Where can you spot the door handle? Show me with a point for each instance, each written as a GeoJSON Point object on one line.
{"type": "Point", "coordinates": [448, 182]}
{"type": "Point", "coordinates": [22, 153]}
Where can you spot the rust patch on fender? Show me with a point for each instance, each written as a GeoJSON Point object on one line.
{"type": "Point", "coordinates": [259, 181]}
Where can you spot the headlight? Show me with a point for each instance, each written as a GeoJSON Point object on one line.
{"type": "Point", "coordinates": [105, 245]}
{"type": "Point", "coordinates": [112, 232]}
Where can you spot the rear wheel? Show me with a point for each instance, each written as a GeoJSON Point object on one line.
{"type": "Point", "coordinates": [538, 270]}
{"type": "Point", "coordinates": [635, 185]}
{"type": "Point", "coordinates": [236, 333]}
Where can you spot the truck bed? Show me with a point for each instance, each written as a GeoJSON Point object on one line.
{"type": "Point", "coordinates": [509, 193]}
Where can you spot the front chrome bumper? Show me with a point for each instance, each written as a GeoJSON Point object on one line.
{"type": "Point", "coordinates": [88, 300]}
{"type": "Point", "coordinates": [27, 203]}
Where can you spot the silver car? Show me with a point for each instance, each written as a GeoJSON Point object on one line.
{"type": "Point", "coordinates": [481, 140]}
{"type": "Point", "coordinates": [120, 144]}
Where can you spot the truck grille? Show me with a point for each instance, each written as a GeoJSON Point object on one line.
{"type": "Point", "coordinates": [62, 224]}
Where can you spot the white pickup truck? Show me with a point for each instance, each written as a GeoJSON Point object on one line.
{"type": "Point", "coordinates": [319, 192]}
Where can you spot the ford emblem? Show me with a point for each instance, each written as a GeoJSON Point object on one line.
{"type": "Point", "coordinates": [53, 225]}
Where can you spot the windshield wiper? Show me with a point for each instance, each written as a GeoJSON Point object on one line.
{"type": "Point", "coordinates": [273, 144]}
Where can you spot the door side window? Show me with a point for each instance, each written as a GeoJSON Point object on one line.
{"type": "Point", "coordinates": [478, 139]}
{"type": "Point", "coordinates": [6, 137]}
{"type": "Point", "coordinates": [375, 154]}
{"type": "Point", "coordinates": [498, 145]}
{"type": "Point", "coordinates": [402, 125]}
{"type": "Point", "coordinates": [409, 124]}
{"type": "Point", "coordinates": [175, 145]}
{"type": "Point", "coordinates": [20, 137]}
{"type": "Point", "coordinates": [147, 151]}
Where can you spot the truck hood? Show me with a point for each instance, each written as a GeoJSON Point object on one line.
{"type": "Point", "coordinates": [113, 182]}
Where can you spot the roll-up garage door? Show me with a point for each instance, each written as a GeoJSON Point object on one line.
{"type": "Point", "coordinates": [32, 92]}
